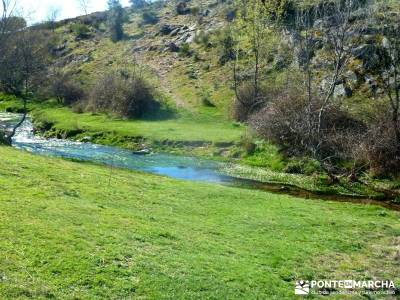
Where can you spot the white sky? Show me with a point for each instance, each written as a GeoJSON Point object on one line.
{"type": "Point", "coordinates": [38, 10]}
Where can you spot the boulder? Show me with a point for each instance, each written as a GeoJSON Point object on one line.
{"type": "Point", "coordinates": [182, 9]}
{"type": "Point", "coordinates": [166, 29]}
{"type": "Point", "coordinates": [175, 31]}
{"type": "Point", "coordinates": [173, 47]}
{"type": "Point", "coordinates": [351, 79]}
{"type": "Point", "coordinates": [370, 55]}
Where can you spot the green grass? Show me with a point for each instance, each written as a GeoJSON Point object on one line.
{"type": "Point", "coordinates": [316, 183]}
{"type": "Point", "coordinates": [185, 128]}
{"type": "Point", "coordinates": [71, 231]}
{"type": "Point", "coordinates": [208, 126]}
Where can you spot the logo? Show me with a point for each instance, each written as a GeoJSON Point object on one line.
{"type": "Point", "coordinates": [345, 287]}
{"type": "Point", "coordinates": [302, 287]}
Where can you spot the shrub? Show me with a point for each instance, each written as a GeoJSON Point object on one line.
{"type": "Point", "coordinates": [226, 47]}
{"type": "Point", "coordinates": [203, 38]}
{"type": "Point", "coordinates": [81, 31]}
{"type": "Point", "coordinates": [206, 99]}
{"type": "Point", "coordinates": [304, 166]}
{"type": "Point", "coordinates": [149, 17]}
{"type": "Point", "coordinates": [185, 50]}
{"type": "Point", "coordinates": [248, 102]}
{"type": "Point", "coordinates": [124, 94]}
{"type": "Point", "coordinates": [290, 122]}
{"type": "Point", "coordinates": [66, 90]}
{"type": "Point", "coordinates": [182, 8]}
{"type": "Point", "coordinates": [380, 149]}
{"type": "Point", "coordinates": [195, 11]}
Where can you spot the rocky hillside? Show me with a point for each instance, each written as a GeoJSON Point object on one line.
{"type": "Point", "coordinates": [176, 46]}
{"type": "Point", "coordinates": [179, 45]}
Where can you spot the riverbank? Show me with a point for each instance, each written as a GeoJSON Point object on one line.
{"type": "Point", "coordinates": [183, 130]}
{"type": "Point", "coordinates": [200, 135]}
{"type": "Point", "coordinates": [90, 232]}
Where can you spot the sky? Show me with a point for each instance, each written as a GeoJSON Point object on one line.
{"type": "Point", "coordinates": [38, 10]}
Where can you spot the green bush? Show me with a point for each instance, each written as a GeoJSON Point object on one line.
{"type": "Point", "coordinates": [203, 38]}
{"type": "Point", "coordinates": [306, 166]}
{"type": "Point", "coordinates": [149, 17]}
{"type": "Point", "coordinates": [80, 30]}
{"type": "Point", "coordinates": [206, 99]}
{"type": "Point", "coordinates": [185, 50]}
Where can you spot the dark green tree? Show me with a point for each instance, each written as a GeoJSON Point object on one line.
{"type": "Point", "coordinates": [116, 20]}
{"type": "Point", "coordinates": [138, 3]}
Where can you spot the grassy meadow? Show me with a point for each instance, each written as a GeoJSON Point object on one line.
{"type": "Point", "coordinates": [82, 231]}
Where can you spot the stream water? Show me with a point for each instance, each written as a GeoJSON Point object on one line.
{"type": "Point", "coordinates": [180, 167]}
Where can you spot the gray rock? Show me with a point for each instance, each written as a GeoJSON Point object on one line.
{"type": "Point", "coordinates": [175, 31]}
{"type": "Point", "coordinates": [340, 91]}
{"type": "Point", "coordinates": [351, 79]}
{"type": "Point", "coordinates": [142, 152]}
{"type": "Point", "coordinates": [166, 29]}
{"type": "Point", "coordinates": [173, 47]}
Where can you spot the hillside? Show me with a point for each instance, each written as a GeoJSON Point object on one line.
{"type": "Point", "coordinates": [156, 48]}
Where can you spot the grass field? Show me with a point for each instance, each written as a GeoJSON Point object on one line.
{"type": "Point", "coordinates": [185, 126]}
{"type": "Point", "coordinates": [81, 231]}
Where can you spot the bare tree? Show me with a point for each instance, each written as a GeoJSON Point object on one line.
{"type": "Point", "coordinates": [390, 74]}
{"type": "Point", "coordinates": [336, 34]}
{"type": "Point", "coordinates": [341, 33]}
{"type": "Point", "coordinates": [52, 16]}
{"type": "Point", "coordinates": [24, 61]}
{"type": "Point", "coordinates": [8, 9]}
{"type": "Point", "coordinates": [84, 5]}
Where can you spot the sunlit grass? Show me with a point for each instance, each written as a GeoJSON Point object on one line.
{"type": "Point", "coordinates": [80, 231]}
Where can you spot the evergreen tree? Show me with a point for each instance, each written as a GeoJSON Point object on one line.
{"type": "Point", "coordinates": [116, 20]}
{"type": "Point", "coordinates": [138, 3]}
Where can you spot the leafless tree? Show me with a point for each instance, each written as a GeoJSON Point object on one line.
{"type": "Point", "coordinates": [84, 5]}
{"type": "Point", "coordinates": [341, 32]}
{"type": "Point", "coordinates": [8, 9]}
{"type": "Point", "coordinates": [331, 28]}
{"type": "Point", "coordinates": [23, 62]}
{"type": "Point", "coordinates": [52, 16]}
{"type": "Point", "coordinates": [390, 75]}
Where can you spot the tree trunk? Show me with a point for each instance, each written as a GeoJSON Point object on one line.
{"type": "Point", "coordinates": [14, 130]}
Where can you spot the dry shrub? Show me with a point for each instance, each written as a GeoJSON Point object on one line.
{"type": "Point", "coordinates": [66, 90]}
{"type": "Point", "coordinates": [380, 149]}
{"type": "Point", "coordinates": [291, 122]}
{"type": "Point", "coordinates": [124, 94]}
{"type": "Point", "coordinates": [248, 102]}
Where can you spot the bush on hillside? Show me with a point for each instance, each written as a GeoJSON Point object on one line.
{"type": "Point", "coordinates": [66, 90]}
{"type": "Point", "coordinates": [380, 149]}
{"type": "Point", "coordinates": [247, 102]}
{"type": "Point", "coordinates": [149, 17]}
{"type": "Point", "coordinates": [80, 30]}
{"type": "Point", "coordinates": [226, 46]}
{"type": "Point", "coordinates": [185, 50]}
{"type": "Point", "coordinates": [182, 8]}
{"type": "Point", "coordinates": [124, 94]}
